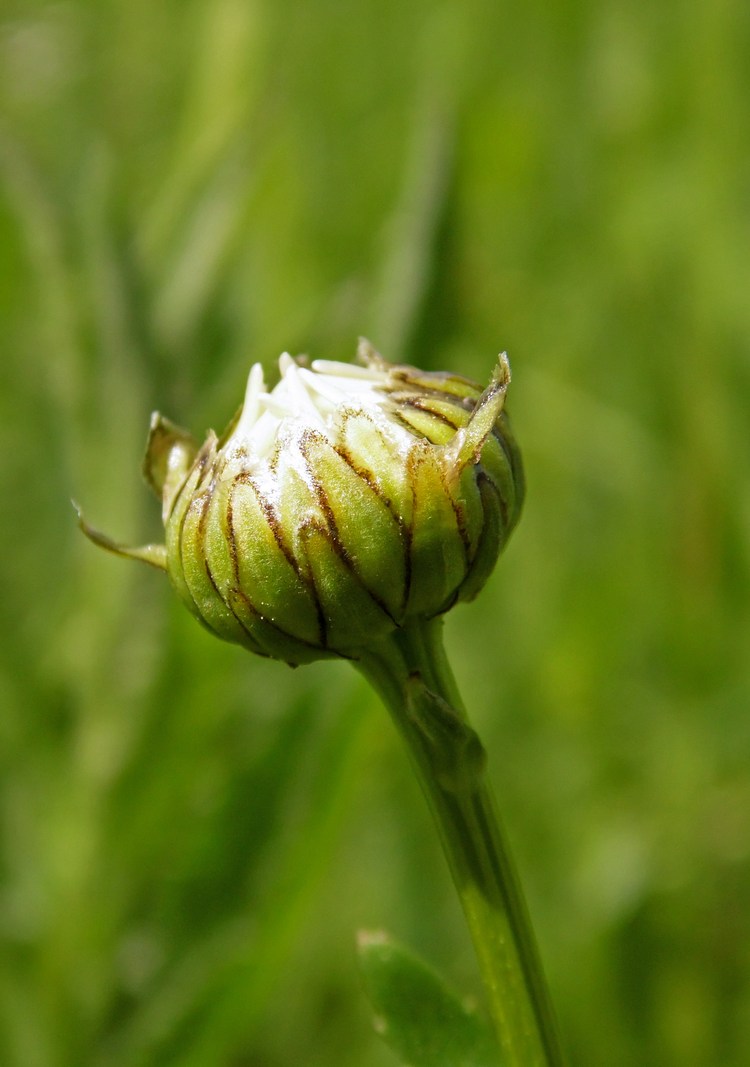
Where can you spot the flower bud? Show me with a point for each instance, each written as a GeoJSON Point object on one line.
{"type": "Point", "coordinates": [346, 502]}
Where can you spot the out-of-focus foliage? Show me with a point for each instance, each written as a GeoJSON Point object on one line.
{"type": "Point", "coordinates": [189, 835]}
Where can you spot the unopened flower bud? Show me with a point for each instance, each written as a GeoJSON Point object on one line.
{"type": "Point", "coordinates": [346, 502]}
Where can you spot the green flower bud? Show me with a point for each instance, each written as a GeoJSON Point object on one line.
{"type": "Point", "coordinates": [346, 502]}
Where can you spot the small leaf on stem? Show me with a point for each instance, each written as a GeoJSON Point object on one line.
{"type": "Point", "coordinates": [417, 1014]}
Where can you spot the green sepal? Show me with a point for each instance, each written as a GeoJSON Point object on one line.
{"type": "Point", "coordinates": [268, 638]}
{"type": "Point", "coordinates": [170, 453]}
{"type": "Point", "coordinates": [505, 433]}
{"type": "Point", "coordinates": [467, 444]}
{"type": "Point", "coordinates": [351, 615]}
{"type": "Point", "coordinates": [416, 1013]}
{"type": "Point", "coordinates": [362, 437]}
{"type": "Point", "coordinates": [497, 465]}
{"type": "Point", "coordinates": [469, 509]}
{"type": "Point", "coordinates": [493, 534]}
{"type": "Point", "coordinates": [424, 423]}
{"type": "Point", "coordinates": [173, 529]}
{"type": "Point", "coordinates": [364, 525]}
{"type": "Point", "coordinates": [264, 570]}
{"type": "Point", "coordinates": [199, 580]}
{"type": "Point", "coordinates": [438, 550]}
{"type": "Point", "coordinates": [433, 382]}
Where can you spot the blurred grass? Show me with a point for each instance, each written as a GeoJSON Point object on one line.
{"type": "Point", "coordinates": [190, 837]}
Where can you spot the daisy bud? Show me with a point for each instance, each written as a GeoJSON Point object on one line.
{"type": "Point", "coordinates": [348, 501]}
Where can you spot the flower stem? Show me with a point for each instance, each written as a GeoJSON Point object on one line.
{"type": "Point", "coordinates": [412, 675]}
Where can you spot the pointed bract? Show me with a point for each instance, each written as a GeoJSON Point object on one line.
{"type": "Point", "coordinates": [346, 502]}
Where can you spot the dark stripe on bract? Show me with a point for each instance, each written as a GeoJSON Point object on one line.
{"type": "Point", "coordinates": [203, 519]}
{"type": "Point", "coordinates": [204, 503]}
{"type": "Point", "coordinates": [202, 530]}
{"type": "Point", "coordinates": [396, 415]}
{"type": "Point", "coordinates": [252, 641]}
{"type": "Point", "coordinates": [200, 462]}
{"type": "Point", "coordinates": [405, 534]}
{"type": "Point", "coordinates": [501, 501]}
{"type": "Point", "coordinates": [421, 404]}
{"type": "Point", "coordinates": [460, 513]}
{"type": "Point", "coordinates": [250, 635]}
{"type": "Point", "coordinates": [364, 474]}
{"type": "Point", "coordinates": [207, 464]}
{"type": "Point", "coordinates": [272, 625]}
{"type": "Point", "coordinates": [212, 580]}
{"type": "Point", "coordinates": [373, 485]}
{"type": "Point", "coordinates": [325, 504]}
{"type": "Point", "coordinates": [271, 517]}
{"type": "Point", "coordinates": [449, 603]}
{"type": "Point", "coordinates": [503, 434]}
{"type": "Point", "coordinates": [177, 496]}
{"type": "Point", "coordinates": [320, 492]}
{"type": "Point", "coordinates": [244, 478]}
{"type": "Point", "coordinates": [322, 625]}
{"type": "Point", "coordinates": [427, 396]}
{"type": "Point", "coordinates": [497, 433]}
{"type": "Point", "coordinates": [231, 538]}
{"type": "Point", "coordinates": [349, 566]}
{"type": "Point", "coordinates": [339, 546]}
{"type": "Point", "coordinates": [274, 525]}
{"type": "Point", "coordinates": [419, 383]}
{"type": "Point", "coordinates": [201, 537]}
{"type": "Point", "coordinates": [370, 482]}
{"type": "Point", "coordinates": [326, 508]}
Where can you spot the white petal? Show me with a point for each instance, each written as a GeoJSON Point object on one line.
{"type": "Point", "coordinates": [251, 406]}
{"type": "Point", "coordinates": [347, 370]}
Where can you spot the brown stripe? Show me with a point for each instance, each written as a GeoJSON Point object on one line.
{"type": "Point", "coordinates": [272, 625]}
{"type": "Point", "coordinates": [459, 512]}
{"type": "Point", "coordinates": [202, 533]}
{"type": "Point", "coordinates": [404, 532]}
{"type": "Point", "coordinates": [322, 624]}
{"type": "Point", "coordinates": [499, 436]}
{"type": "Point", "coordinates": [231, 537]}
{"type": "Point", "coordinates": [244, 478]}
{"type": "Point", "coordinates": [200, 462]}
{"type": "Point", "coordinates": [317, 485]}
{"type": "Point", "coordinates": [448, 604]}
{"type": "Point", "coordinates": [338, 544]}
{"type": "Point", "coordinates": [251, 636]}
{"type": "Point", "coordinates": [181, 543]}
{"type": "Point", "coordinates": [485, 479]}
{"type": "Point", "coordinates": [398, 417]}
{"type": "Point", "coordinates": [421, 404]}
{"type": "Point", "coordinates": [274, 524]}
{"type": "Point", "coordinates": [367, 476]}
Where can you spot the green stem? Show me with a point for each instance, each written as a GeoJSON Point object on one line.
{"type": "Point", "coordinates": [412, 675]}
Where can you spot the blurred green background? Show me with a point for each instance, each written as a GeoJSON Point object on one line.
{"type": "Point", "coordinates": [190, 836]}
